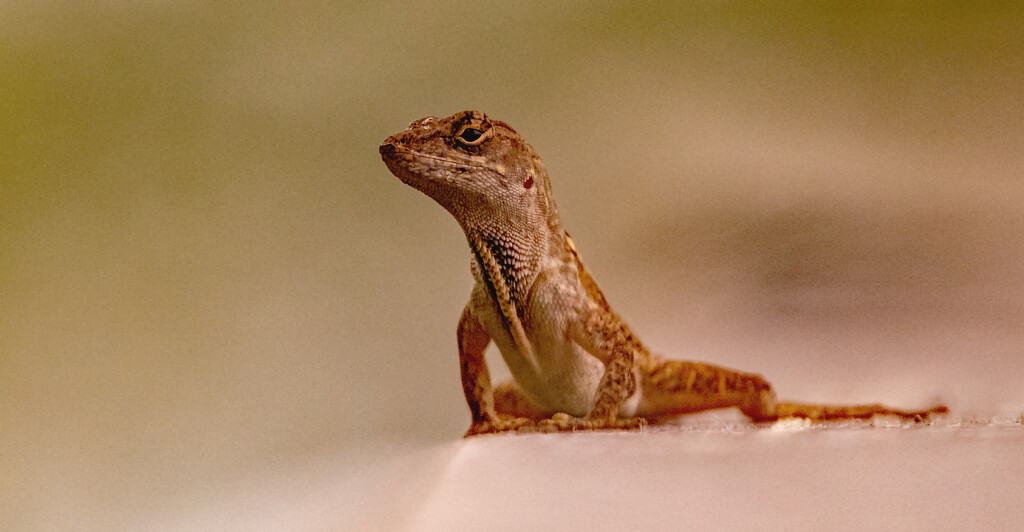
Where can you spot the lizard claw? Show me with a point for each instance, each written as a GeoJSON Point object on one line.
{"type": "Point", "coordinates": [562, 422]}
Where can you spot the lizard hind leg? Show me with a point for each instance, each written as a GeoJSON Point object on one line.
{"type": "Point", "coordinates": [675, 387]}
{"type": "Point", "coordinates": [510, 401]}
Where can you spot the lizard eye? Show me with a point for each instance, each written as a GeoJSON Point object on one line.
{"type": "Point", "coordinates": [471, 136]}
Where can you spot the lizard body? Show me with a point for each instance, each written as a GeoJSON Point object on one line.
{"type": "Point", "coordinates": [575, 363]}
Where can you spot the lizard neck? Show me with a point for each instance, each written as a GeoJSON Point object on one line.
{"type": "Point", "coordinates": [514, 237]}
{"type": "Point", "coordinates": [513, 250]}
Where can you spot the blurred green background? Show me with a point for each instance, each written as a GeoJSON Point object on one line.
{"type": "Point", "coordinates": [205, 269]}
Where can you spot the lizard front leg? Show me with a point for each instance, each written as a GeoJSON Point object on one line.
{"type": "Point", "coordinates": [476, 380]}
{"type": "Point", "coordinates": [608, 338]}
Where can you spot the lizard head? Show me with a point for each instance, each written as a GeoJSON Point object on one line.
{"type": "Point", "coordinates": [479, 169]}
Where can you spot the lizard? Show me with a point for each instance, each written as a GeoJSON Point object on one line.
{"type": "Point", "coordinates": [575, 364]}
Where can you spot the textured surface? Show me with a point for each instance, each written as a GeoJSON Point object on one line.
{"type": "Point", "coordinates": [788, 477]}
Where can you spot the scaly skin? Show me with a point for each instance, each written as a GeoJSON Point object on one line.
{"type": "Point", "coordinates": [575, 364]}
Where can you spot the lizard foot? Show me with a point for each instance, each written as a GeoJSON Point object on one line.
{"type": "Point", "coordinates": [562, 422]}
{"type": "Point", "coordinates": [495, 426]}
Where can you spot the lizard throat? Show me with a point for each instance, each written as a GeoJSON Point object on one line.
{"type": "Point", "coordinates": [503, 260]}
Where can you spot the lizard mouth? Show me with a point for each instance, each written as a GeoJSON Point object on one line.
{"type": "Point", "coordinates": [410, 165]}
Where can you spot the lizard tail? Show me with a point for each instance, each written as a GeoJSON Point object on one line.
{"type": "Point", "coordinates": [849, 412]}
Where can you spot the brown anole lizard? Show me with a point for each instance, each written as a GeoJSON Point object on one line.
{"type": "Point", "coordinates": [575, 363]}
